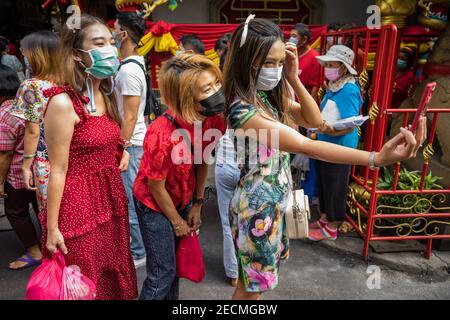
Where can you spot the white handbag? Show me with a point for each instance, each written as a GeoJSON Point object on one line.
{"type": "Point", "coordinates": [297, 213]}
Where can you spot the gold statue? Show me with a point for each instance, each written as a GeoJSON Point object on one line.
{"type": "Point", "coordinates": [121, 4]}
{"type": "Point", "coordinates": [396, 11]}
{"type": "Point", "coordinates": [146, 6]}
{"type": "Point", "coordinates": [431, 10]}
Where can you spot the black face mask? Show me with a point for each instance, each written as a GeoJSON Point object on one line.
{"type": "Point", "coordinates": [213, 105]}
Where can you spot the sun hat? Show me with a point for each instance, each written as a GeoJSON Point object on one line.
{"type": "Point", "coordinates": [339, 53]}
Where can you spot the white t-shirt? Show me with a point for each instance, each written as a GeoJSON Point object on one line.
{"type": "Point", "coordinates": [130, 81]}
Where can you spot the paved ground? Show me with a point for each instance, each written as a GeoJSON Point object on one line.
{"type": "Point", "coordinates": [314, 271]}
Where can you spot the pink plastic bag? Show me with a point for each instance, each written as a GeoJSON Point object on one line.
{"type": "Point", "coordinates": [76, 286]}
{"type": "Point", "coordinates": [45, 281]}
{"type": "Point", "coordinates": [54, 281]}
{"type": "Point", "coordinates": [190, 263]}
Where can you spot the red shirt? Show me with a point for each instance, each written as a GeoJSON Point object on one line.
{"type": "Point", "coordinates": [12, 130]}
{"type": "Point", "coordinates": [308, 69]}
{"type": "Point", "coordinates": [163, 158]}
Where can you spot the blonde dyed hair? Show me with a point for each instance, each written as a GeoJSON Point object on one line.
{"type": "Point", "coordinates": [178, 83]}
{"type": "Point", "coordinates": [42, 49]}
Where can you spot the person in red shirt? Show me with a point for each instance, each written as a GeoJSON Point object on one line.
{"type": "Point", "coordinates": [308, 67]}
{"type": "Point", "coordinates": [404, 78]}
{"type": "Point", "coordinates": [169, 187]}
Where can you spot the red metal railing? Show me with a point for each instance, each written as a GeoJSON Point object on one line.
{"type": "Point", "coordinates": [385, 43]}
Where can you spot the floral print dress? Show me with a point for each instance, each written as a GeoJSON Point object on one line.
{"type": "Point", "coordinates": [30, 104]}
{"type": "Point", "coordinates": [258, 207]}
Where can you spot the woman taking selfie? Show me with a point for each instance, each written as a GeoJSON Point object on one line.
{"type": "Point", "coordinates": [86, 215]}
{"type": "Point", "coordinates": [257, 71]}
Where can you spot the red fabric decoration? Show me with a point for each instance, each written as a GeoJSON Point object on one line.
{"type": "Point", "coordinates": [160, 28]}
{"type": "Point", "coordinates": [209, 33]}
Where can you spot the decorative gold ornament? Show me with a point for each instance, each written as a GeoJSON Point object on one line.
{"type": "Point", "coordinates": [419, 225]}
{"type": "Point", "coordinates": [411, 90]}
{"type": "Point", "coordinates": [363, 79]}
{"type": "Point", "coordinates": [120, 4]}
{"type": "Point", "coordinates": [321, 92]}
{"type": "Point", "coordinates": [426, 16]}
{"type": "Point", "coordinates": [357, 193]}
{"type": "Point", "coordinates": [396, 11]}
{"type": "Point", "coordinates": [428, 153]}
{"type": "Point", "coordinates": [373, 112]}
{"type": "Point", "coordinates": [148, 9]}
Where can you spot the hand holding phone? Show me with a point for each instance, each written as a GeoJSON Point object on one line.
{"type": "Point", "coordinates": [423, 105]}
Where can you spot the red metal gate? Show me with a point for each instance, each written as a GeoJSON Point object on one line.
{"type": "Point", "coordinates": [364, 194]}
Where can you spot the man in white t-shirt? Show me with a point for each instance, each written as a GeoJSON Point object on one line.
{"type": "Point", "coordinates": [131, 88]}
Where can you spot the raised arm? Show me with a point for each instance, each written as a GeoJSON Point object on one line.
{"type": "Point", "coordinates": [401, 147]}
{"type": "Point", "coordinates": [306, 113]}
{"type": "Point", "coordinates": [60, 121]}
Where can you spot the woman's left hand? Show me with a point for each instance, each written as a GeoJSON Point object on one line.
{"type": "Point", "coordinates": [123, 166]}
{"type": "Point", "coordinates": [291, 63]}
{"type": "Point", "coordinates": [195, 217]}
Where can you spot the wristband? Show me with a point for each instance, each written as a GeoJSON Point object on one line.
{"type": "Point", "coordinates": [198, 201]}
{"type": "Point", "coordinates": [29, 156]}
{"type": "Point", "coordinates": [372, 161]}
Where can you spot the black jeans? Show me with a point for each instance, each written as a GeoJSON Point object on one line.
{"type": "Point", "coordinates": [160, 245]}
{"type": "Point", "coordinates": [17, 210]}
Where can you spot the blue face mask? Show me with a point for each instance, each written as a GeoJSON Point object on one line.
{"type": "Point", "coordinates": [117, 42]}
{"type": "Point", "coordinates": [293, 40]}
{"type": "Point", "coordinates": [401, 64]}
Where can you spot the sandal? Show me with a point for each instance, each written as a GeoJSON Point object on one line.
{"type": "Point", "coordinates": [29, 260]}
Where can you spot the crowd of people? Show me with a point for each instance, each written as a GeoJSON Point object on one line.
{"type": "Point", "coordinates": [113, 193]}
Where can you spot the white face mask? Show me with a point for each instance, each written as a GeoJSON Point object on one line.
{"type": "Point", "coordinates": [268, 78]}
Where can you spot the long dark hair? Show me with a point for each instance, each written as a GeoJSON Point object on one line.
{"type": "Point", "coordinates": [9, 83]}
{"type": "Point", "coordinates": [243, 64]}
{"type": "Point", "coordinates": [73, 73]}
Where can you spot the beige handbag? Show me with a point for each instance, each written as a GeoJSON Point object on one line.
{"type": "Point", "coordinates": [297, 214]}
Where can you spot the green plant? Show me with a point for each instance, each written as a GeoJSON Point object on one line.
{"type": "Point", "coordinates": [407, 180]}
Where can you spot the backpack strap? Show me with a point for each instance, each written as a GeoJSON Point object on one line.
{"type": "Point", "coordinates": [182, 131]}
{"type": "Point", "coordinates": [152, 106]}
{"type": "Point", "coordinates": [135, 62]}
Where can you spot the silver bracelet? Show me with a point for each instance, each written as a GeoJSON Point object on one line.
{"type": "Point", "coordinates": [372, 161]}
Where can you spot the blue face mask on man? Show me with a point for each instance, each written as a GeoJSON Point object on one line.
{"type": "Point", "coordinates": [117, 42]}
{"type": "Point", "coordinates": [401, 64]}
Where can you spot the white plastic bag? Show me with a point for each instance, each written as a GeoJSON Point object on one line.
{"type": "Point", "coordinates": [76, 286]}
{"type": "Point", "coordinates": [301, 162]}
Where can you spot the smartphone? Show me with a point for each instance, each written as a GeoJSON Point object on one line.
{"type": "Point", "coordinates": [423, 105]}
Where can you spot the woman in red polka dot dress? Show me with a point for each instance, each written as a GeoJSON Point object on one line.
{"type": "Point", "coordinates": [86, 215]}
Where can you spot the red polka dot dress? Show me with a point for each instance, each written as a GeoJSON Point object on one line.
{"type": "Point", "coordinates": [93, 217]}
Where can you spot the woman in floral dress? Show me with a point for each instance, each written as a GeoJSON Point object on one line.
{"type": "Point", "coordinates": [41, 50]}
{"type": "Point", "coordinates": [256, 91]}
